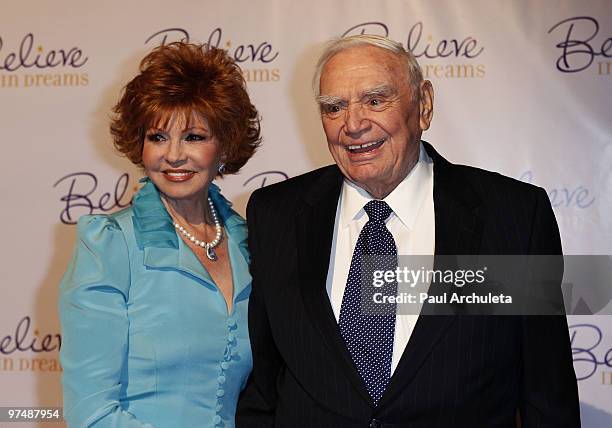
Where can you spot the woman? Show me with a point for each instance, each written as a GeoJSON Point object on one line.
{"type": "Point", "coordinates": [154, 303]}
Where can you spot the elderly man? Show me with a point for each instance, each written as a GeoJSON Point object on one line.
{"type": "Point", "coordinates": [320, 359]}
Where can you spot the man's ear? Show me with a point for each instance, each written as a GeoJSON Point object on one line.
{"type": "Point", "coordinates": [426, 104]}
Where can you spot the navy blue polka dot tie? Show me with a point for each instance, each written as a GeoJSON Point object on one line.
{"type": "Point", "coordinates": [368, 327]}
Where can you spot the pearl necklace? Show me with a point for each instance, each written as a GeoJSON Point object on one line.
{"type": "Point", "coordinates": [210, 246]}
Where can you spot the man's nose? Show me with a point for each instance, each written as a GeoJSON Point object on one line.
{"type": "Point", "coordinates": [355, 120]}
{"type": "Point", "coordinates": [175, 153]}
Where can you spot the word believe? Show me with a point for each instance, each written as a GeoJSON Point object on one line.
{"type": "Point", "coordinates": [79, 200]}
{"type": "Point", "coordinates": [586, 350]}
{"type": "Point", "coordinates": [579, 51]}
{"type": "Point", "coordinates": [579, 197]}
{"type": "Point", "coordinates": [25, 57]}
{"type": "Point", "coordinates": [23, 341]}
{"type": "Point", "coordinates": [467, 47]}
{"type": "Point", "coordinates": [253, 52]}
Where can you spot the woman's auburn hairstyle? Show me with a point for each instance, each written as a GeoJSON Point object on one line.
{"type": "Point", "coordinates": [186, 77]}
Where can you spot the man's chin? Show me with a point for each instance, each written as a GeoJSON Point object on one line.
{"type": "Point", "coordinates": [364, 174]}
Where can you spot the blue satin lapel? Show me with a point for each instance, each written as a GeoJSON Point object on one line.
{"type": "Point", "coordinates": [152, 224]}
{"type": "Point", "coordinates": [156, 236]}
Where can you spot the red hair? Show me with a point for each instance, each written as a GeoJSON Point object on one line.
{"type": "Point", "coordinates": [185, 78]}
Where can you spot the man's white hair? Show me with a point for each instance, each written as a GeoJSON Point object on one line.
{"type": "Point", "coordinates": [413, 71]}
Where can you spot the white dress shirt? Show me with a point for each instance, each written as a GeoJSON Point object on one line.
{"type": "Point", "coordinates": [412, 225]}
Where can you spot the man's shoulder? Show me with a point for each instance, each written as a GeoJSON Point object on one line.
{"type": "Point", "coordinates": [486, 182]}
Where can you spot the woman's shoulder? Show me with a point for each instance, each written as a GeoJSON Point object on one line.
{"type": "Point", "coordinates": [101, 231]}
{"type": "Point", "coordinates": [102, 222]}
{"type": "Point", "coordinates": [100, 252]}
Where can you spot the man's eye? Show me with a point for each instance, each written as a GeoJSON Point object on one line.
{"type": "Point", "coordinates": [196, 137]}
{"type": "Point", "coordinates": [375, 102]}
{"type": "Point", "coordinates": [155, 138]}
{"type": "Point", "coordinates": [334, 108]}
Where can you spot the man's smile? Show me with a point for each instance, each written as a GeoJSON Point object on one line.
{"type": "Point", "coordinates": [366, 147]}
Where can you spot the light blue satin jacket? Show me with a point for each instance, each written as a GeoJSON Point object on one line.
{"type": "Point", "coordinates": [147, 340]}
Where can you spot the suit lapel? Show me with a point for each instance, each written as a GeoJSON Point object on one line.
{"type": "Point", "coordinates": [458, 223]}
{"type": "Point", "coordinates": [315, 228]}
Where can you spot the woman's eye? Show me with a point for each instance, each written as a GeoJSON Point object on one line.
{"type": "Point", "coordinates": [196, 137]}
{"type": "Point", "coordinates": [155, 138]}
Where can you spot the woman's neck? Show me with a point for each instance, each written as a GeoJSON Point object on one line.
{"type": "Point", "coordinates": [193, 211]}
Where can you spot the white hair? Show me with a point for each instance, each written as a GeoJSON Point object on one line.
{"type": "Point", "coordinates": [413, 71]}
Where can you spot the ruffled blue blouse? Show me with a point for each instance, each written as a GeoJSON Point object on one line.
{"type": "Point", "coordinates": [147, 338]}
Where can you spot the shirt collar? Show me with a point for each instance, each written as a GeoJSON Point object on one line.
{"type": "Point", "coordinates": [405, 200]}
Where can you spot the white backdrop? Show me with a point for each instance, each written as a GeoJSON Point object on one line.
{"type": "Point", "coordinates": [522, 87]}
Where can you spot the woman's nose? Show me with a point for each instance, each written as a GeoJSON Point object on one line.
{"type": "Point", "coordinates": [175, 153]}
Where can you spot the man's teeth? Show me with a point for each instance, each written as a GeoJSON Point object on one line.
{"type": "Point", "coordinates": [364, 146]}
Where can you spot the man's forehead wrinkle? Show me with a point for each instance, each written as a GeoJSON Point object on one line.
{"type": "Point", "coordinates": [358, 74]}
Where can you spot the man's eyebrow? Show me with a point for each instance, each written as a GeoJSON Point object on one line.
{"type": "Point", "coordinates": [383, 90]}
{"type": "Point", "coordinates": [380, 90]}
{"type": "Point", "coordinates": [327, 100]}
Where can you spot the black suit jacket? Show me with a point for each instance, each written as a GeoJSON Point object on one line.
{"type": "Point", "coordinates": [456, 371]}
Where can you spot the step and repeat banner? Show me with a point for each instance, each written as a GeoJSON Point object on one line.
{"type": "Point", "coordinates": [521, 87]}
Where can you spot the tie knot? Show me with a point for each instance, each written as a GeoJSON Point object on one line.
{"type": "Point", "coordinates": [377, 210]}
